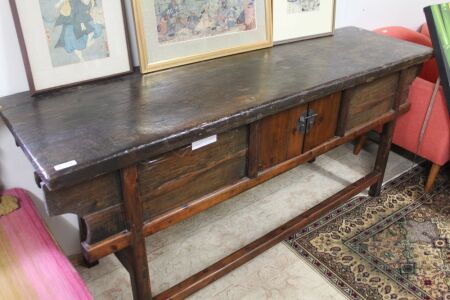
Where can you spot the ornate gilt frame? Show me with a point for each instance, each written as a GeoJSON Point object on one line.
{"type": "Point", "coordinates": [147, 67]}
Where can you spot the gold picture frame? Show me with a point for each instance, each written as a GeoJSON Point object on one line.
{"type": "Point", "coordinates": [143, 35]}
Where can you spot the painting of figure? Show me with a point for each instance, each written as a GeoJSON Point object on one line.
{"type": "Point", "coordinates": [302, 6]}
{"type": "Point", "coordinates": [183, 20]}
{"type": "Point", "coordinates": [75, 30]}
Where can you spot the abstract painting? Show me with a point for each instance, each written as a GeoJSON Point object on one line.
{"type": "Point", "coordinates": [438, 19]}
{"type": "Point", "coordinates": [75, 30]}
{"type": "Point", "coordinates": [183, 20]}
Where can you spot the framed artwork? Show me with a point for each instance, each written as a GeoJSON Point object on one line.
{"type": "Point", "coordinates": [65, 42]}
{"type": "Point", "coordinates": [177, 32]}
{"type": "Point", "coordinates": [295, 20]}
{"type": "Point", "coordinates": [438, 19]}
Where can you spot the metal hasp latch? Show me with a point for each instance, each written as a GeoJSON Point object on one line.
{"type": "Point", "coordinates": [306, 121]}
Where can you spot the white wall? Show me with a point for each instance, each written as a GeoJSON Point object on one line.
{"type": "Point", "coordinates": [16, 171]}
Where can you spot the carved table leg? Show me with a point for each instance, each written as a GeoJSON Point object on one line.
{"type": "Point", "coordinates": [134, 258]}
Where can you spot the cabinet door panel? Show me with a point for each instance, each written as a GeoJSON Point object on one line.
{"type": "Point", "coordinates": [273, 140]}
{"type": "Point", "coordinates": [324, 128]}
{"type": "Point", "coordinates": [295, 137]}
{"type": "Point", "coordinates": [280, 138]}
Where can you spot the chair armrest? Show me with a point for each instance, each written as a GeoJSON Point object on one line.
{"type": "Point", "coordinates": [405, 34]}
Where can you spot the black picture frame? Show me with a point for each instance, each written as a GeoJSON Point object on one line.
{"type": "Point", "coordinates": [442, 61]}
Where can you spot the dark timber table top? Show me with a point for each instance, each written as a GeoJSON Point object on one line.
{"type": "Point", "coordinates": [114, 123]}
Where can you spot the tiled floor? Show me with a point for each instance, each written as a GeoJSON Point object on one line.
{"type": "Point", "coordinates": [190, 246]}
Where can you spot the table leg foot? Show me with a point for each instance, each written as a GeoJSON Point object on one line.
{"type": "Point", "coordinates": [87, 264]}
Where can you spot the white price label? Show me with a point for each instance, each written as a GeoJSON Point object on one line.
{"type": "Point", "coordinates": [204, 142]}
{"type": "Point", "coordinates": [65, 165]}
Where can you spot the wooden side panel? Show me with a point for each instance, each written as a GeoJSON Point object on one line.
{"type": "Point", "coordinates": [343, 116]}
{"type": "Point", "coordinates": [183, 175]}
{"type": "Point", "coordinates": [102, 224]}
{"type": "Point", "coordinates": [368, 101]}
{"type": "Point", "coordinates": [84, 198]}
{"type": "Point", "coordinates": [324, 128]}
{"type": "Point", "coordinates": [409, 76]}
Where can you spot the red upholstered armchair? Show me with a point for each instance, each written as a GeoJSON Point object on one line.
{"type": "Point", "coordinates": [435, 146]}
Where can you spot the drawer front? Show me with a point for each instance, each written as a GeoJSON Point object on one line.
{"type": "Point", "coordinates": [371, 100]}
{"type": "Point", "coordinates": [178, 177]}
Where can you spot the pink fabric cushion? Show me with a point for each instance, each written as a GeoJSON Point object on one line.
{"type": "Point", "coordinates": [31, 264]}
{"type": "Point", "coordinates": [436, 143]}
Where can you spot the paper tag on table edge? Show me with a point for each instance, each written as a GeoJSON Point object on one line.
{"type": "Point", "coordinates": [65, 165]}
{"type": "Point", "coordinates": [204, 142]}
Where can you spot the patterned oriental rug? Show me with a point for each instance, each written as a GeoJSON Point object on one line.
{"type": "Point", "coordinates": [396, 246]}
